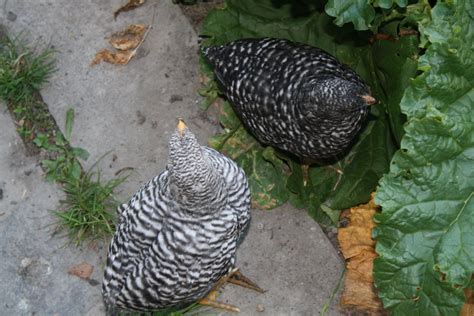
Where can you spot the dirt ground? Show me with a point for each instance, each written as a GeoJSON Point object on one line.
{"type": "Point", "coordinates": [196, 13]}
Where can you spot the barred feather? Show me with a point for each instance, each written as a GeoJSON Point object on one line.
{"type": "Point", "coordinates": [178, 234]}
{"type": "Point", "coordinates": [291, 96]}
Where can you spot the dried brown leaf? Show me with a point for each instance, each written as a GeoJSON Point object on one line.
{"type": "Point", "coordinates": [357, 246]}
{"type": "Point", "coordinates": [130, 5]}
{"type": "Point", "coordinates": [82, 270]}
{"type": "Point", "coordinates": [360, 295]}
{"type": "Point", "coordinates": [129, 38]}
{"type": "Point", "coordinates": [468, 308]}
{"type": "Point", "coordinates": [118, 58]}
{"type": "Point", "coordinates": [126, 42]}
{"type": "Point", "coordinates": [363, 264]}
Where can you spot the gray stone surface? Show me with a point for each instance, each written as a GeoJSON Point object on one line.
{"type": "Point", "coordinates": [287, 254]}
{"type": "Point", "coordinates": [34, 267]}
{"type": "Point", "coordinates": [130, 111]}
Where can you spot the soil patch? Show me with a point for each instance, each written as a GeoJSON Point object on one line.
{"type": "Point", "coordinates": [196, 13]}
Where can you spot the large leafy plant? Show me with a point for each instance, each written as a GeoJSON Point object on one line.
{"type": "Point", "coordinates": [425, 233]}
{"type": "Point", "coordinates": [385, 65]}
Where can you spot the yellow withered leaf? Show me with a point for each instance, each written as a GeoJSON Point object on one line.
{"type": "Point", "coordinates": [357, 246]}
{"type": "Point", "coordinates": [130, 5]}
{"type": "Point", "coordinates": [129, 38]}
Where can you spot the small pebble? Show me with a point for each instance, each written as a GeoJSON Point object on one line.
{"type": "Point", "coordinates": [23, 304]}
{"type": "Point", "coordinates": [175, 98]}
{"type": "Point", "coordinates": [93, 282]}
{"type": "Point", "coordinates": [26, 262]}
{"type": "Point", "coordinates": [140, 118]}
{"type": "Point", "coordinates": [11, 16]}
{"type": "Point", "coordinates": [260, 308]}
{"type": "Point", "coordinates": [260, 226]}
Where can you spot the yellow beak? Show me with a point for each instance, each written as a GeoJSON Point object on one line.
{"type": "Point", "coordinates": [181, 126]}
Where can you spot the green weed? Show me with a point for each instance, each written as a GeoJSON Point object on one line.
{"type": "Point", "coordinates": [88, 208]}
{"type": "Point", "coordinates": [87, 211]}
{"type": "Point", "coordinates": [63, 166]}
{"type": "Point", "coordinates": [22, 70]}
{"type": "Point", "coordinates": [24, 131]}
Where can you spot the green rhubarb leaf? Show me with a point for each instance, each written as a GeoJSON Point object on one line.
{"type": "Point", "coordinates": [349, 181]}
{"type": "Point", "coordinates": [264, 170]}
{"type": "Point", "coordinates": [387, 4]}
{"type": "Point", "coordinates": [234, 143]}
{"type": "Point", "coordinates": [395, 64]}
{"type": "Point", "coordinates": [359, 12]}
{"type": "Point", "coordinates": [227, 117]}
{"type": "Point", "coordinates": [265, 173]}
{"type": "Point", "coordinates": [362, 13]}
{"type": "Point", "coordinates": [424, 233]}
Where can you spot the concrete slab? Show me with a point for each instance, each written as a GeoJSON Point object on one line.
{"type": "Point", "coordinates": [130, 111]}
{"type": "Point", "coordinates": [35, 263]}
{"type": "Point", "coordinates": [287, 254]}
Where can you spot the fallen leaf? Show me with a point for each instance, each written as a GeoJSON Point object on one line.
{"type": "Point", "coordinates": [357, 247]}
{"type": "Point", "coordinates": [118, 58]}
{"type": "Point", "coordinates": [360, 296]}
{"type": "Point", "coordinates": [363, 264]}
{"type": "Point", "coordinates": [129, 38]}
{"type": "Point", "coordinates": [468, 308]}
{"type": "Point", "coordinates": [82, 270]}
{"type": "Point", "coordinates": [130, 5]}
{"type": "Point", "coordinates": [126, 42]}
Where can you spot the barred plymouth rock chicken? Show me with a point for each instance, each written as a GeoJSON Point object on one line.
{"type": "Point", "coordinates": [292, 96]}
{"type": "Point", "coordinates": [176, 238]}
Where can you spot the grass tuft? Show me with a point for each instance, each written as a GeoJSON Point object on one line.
{"type": "Point", "coordinates": [87, 212]}
{"type": "Point", "coordinates": [23, 71]}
